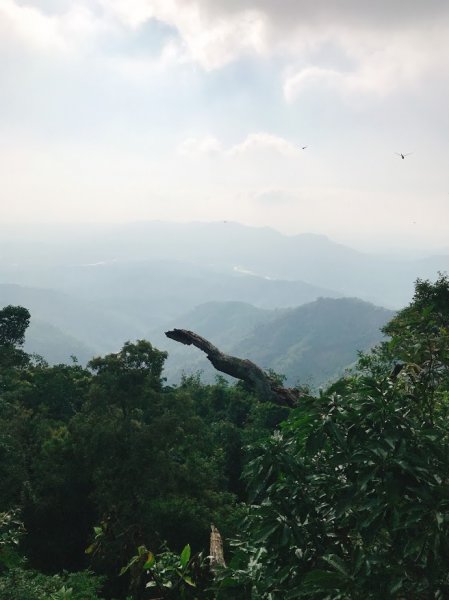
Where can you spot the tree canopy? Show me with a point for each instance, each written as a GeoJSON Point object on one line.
{"type": "Point", "coordinates": [342, 495]}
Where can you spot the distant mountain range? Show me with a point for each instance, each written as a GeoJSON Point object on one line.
{"type": "Point", "coordinates": [93, 287]}
{"type": "Point", "coordinates": [54, 345]}
{"type": "Point", "coordinates": [54, 314]}
{"type": "Point", "coordinates": [134, 296]}
{"type": "Point", "coordinates": [221, 248]}
{"type": "Point", "coordinates": [310, 344]}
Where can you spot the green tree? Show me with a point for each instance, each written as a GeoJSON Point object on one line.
{"type": "Point", "coordinates": [350, 499]}
{"type": "Point", "coordinates": [156, 467]}
{"type": "Point", "coordinates": [14, 321]}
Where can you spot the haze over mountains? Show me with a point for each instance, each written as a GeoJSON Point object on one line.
{"type": "Point", "coordinates": [96, 286]}
{"type": "Point", "coordinates": [61, 256]}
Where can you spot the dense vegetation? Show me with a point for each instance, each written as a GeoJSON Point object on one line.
{"type": "Point", "coordinates": [107, 470]}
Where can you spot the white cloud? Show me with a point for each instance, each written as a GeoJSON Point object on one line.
{"type": "Point", "coordinates": [133, 13]}
{"type": "Point", "coordinates": [68, 33]}
{"type": "Point", "coordinates": [30, 26]}
{"type": "Point", "coordinates": [194, 147]}
{"type": "Point", "coordinates": [387, 46]}
{"type": "Point", "coordinates": [262, 143]}
{"type": "Point", "coordinates": [138, 69]}
{"type": "Point", "coordinates": [382, 64]}
{"type": "Point", "coordinates": [213, 44]}
{"type": "Point", "coordinates": [209, 40]}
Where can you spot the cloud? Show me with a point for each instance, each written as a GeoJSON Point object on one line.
{"type": "Point", "coordinates": [194, 147]}
{"type": "Point", "coordinates": [274, 197]}
{"type": "Point", "coordinates": [67, 33]}
{"type": "Point", "coordinates": [381, 64]}
{"type": "Point", "coordinates": [256, 145]}
{"type": "Point", "coordinates": [30, 26]}
{"type": "Point", "coordinates": [263, 143]}
{"type": "Point", "coordinates": [209, 40]}
{"type": "Point", "coordinates": [137, 69]}
{"type": "Point", "coordinates": [386, 45]}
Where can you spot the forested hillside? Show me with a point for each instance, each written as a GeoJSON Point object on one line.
{"type": "Point", "coordinates": [104, 305]}
{"type": "Point", "coordinates": [311, 344]}
{"type": "Point", "coordinates": [110, 478]}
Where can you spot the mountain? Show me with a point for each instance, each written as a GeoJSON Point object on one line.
{"type": "Point", "coordinates": [311, 344]}
{"type": "Point", "coordinates": [315, 342]}
{"type": "Point", "coordinates": [223, 323]}
{"type": "Point", "coordinates": [148, 293]}
{"type": "Point", "coordinates": [218, 247]}
{"type": "Point", "coordinates": [91, 325]}
{"type": "Point", "coordinates": [106, 284]}
{"type": "Point", "coordinates": [102, 306]}
{"type": "Point", "coordinates": [54, 345]}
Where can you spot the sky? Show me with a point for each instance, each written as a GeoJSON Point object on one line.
{"type": "Point", "coordinates": [187, 110]}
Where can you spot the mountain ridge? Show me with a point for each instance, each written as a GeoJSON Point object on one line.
{"type": "Point", "coordinates": [312, 343]}
{"type": "Point", "coordinates": [314, 259]}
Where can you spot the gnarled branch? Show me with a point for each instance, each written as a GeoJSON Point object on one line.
{"type": "Point", "coordinates": [240, 368]}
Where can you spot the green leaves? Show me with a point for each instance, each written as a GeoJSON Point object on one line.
{"type": "Point", "coordinates": [150, 561]}
{"type": "Point", "coordinates": [170, 574]}
{"type": "Point", "coordinates": [185, 556]}
{"type": "Point", "coordinates": [352, 499]}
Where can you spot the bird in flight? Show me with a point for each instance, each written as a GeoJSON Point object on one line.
{"type": "Point", "coordinates": [403, 155]}
{"type": "Point", "coordinates": [303, 147]}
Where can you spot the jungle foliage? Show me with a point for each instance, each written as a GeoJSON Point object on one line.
{"type": "Point", "coordinates": [110, 479]}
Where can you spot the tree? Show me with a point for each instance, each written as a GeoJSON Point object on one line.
{"type": "Point", "coordinates": [350, 498]}
{"type": "Point", "coordinates": [14, 321]}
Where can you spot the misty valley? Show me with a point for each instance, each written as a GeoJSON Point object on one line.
{"type": "Point", "coordinates": [90, 289]}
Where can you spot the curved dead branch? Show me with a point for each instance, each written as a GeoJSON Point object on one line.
{"type": "Point", "coordinates": [240, 368]}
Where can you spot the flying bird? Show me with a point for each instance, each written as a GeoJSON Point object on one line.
{"type": "Point", "coordinates": [303, 147]}
{"type": "Point", "coordinates": [403, 155]}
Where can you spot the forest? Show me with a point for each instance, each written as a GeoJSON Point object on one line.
{"type": "Point", "coordinates": [110, 478]}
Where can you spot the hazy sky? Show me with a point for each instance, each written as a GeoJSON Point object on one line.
{"type": "Point", "coordinates": [114, 110]}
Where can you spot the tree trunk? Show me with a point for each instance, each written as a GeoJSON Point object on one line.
{"type": "Point", "coordinates": [216, 549]}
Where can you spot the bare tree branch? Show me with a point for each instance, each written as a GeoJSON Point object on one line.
{"type": "Point", "coordinates": [240, 368]}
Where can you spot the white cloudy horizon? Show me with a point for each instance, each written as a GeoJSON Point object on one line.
{"type": "Point", "coordinates": [187, 110]}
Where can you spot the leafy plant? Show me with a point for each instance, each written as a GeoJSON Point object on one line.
{"type": "Point", "coordinates": [11, 530]}
{"type": "Point", "coordinates": [350, 498]}
{"type": "Point", "coordinates": [169, 575]}
{"type": "Point", "coordinates": [28, 584]}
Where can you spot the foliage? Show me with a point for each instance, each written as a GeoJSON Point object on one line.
{"type": "Point", "coordinates": [169, 575]}
{"type": "Point", "coordinates": [347, 496]}
{"type": "Point", "coordinates": [14, 321]}
{"type": "Point", "coordinates": [351, 496]}
{"type": "Point", "coordinates": [11, 529]}
{"type": "Point", "coordinates": [25, 584]}
{"type": "Point", "coordinates": [112, 444]}
{"type": "Point", "coordinates": [19, 583]}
